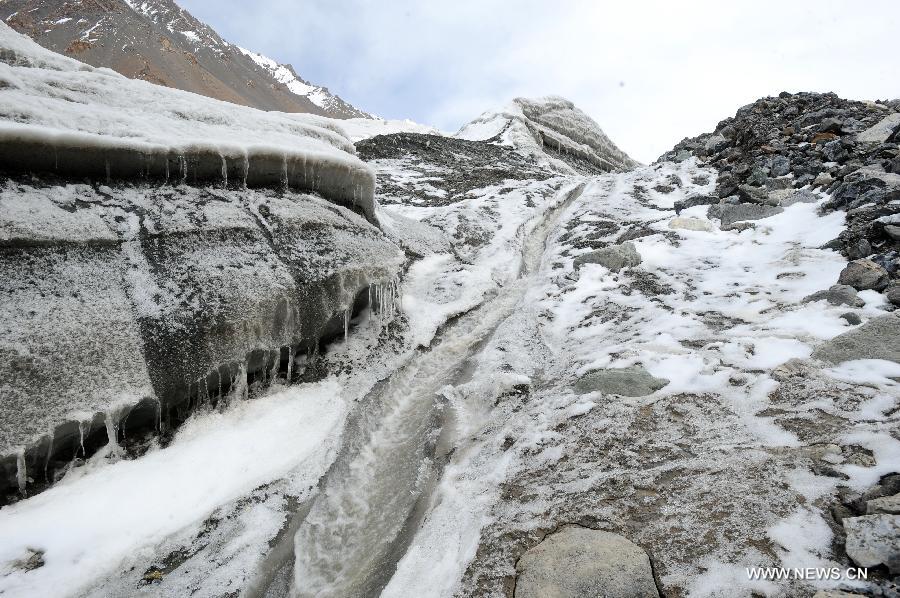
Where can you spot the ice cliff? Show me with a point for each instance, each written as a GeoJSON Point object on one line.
{"type": "Point", "coordinates": [160, 250]}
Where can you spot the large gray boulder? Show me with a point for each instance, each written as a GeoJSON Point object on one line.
{"type": "Point", "coordinates": [874, 540]}
{"type": "Point", "coordinates": [576, 562]}
{"type": "Point", "coordinates": [731, 213]}
{"type": "Point", "coordinates": [632, 381]}
{"type": "Point", "coordinates": [880, 131]}
{"type": "Point", "coordinates": [879, 338]}
{"type": "Point", "coordinates": [864, 275]}
{"type": "Point", "coordinates": [614, 257]}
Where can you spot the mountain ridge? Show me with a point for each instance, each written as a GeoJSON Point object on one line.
{"type": "Point", "coordinates": [160, 42]}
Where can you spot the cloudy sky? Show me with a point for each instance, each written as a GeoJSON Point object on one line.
{"type": "Point", "coordinates": [650, 73]}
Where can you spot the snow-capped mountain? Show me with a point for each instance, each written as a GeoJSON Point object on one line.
{"type": "Point", "coordinates": [160, 42]}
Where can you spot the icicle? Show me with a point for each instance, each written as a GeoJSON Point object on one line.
{"type": "Point", "coordinates": [290, 366]}
{"type": "Point", "coordinates": [47, 458]}
{"type": "Point", "coordinates": [284, 174]}
{"type": "Point", "coordinates": [239, 390]}
{"type": "Point", "coordinates": [246, 170]}
{"type": "Point", "coordinates": [158, 416]}
{"type": "Point", "coordinates": [273, 372]}
{"type": "Point", "coordinates": [224, 172]}
{"type": "Point", "coordinates": [183, 163]}
{"type": "Point", "coordinates": [81, 436]}
{"type": "Point", "coordinates": [347, 323]}
{"type": "Point", "coordinates": [167, 169]}
{"type": "Point", "coordinates": [111, 429]}
{"type": "Point", "coordinates": [21, 474]}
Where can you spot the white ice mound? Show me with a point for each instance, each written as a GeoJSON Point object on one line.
{"type": "Point", "coordinates": [552, 130]}
{"type": "Point", "coordinates": [59, 115]}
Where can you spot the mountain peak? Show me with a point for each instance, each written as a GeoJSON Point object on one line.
{"type": "Point", "coordinates": [160, 42]}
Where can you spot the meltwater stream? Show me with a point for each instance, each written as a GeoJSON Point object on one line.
{"type": "Point", "coordinates": [350, 540]}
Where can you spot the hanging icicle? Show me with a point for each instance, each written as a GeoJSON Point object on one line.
{"type": "Point", "coordinates": [21, 474]}
{"type": "Point", "coordinates": [112, 433]}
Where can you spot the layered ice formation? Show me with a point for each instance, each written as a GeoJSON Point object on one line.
{"type": "Point", "coordinates": [158, 251]}
{"type": "Point", "coordinates": [554, 131]}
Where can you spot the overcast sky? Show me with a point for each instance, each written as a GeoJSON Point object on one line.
{"type": "Point", "coordinates": [650, 73]}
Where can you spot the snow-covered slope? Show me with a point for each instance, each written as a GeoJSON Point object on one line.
{"type": "Point", "coordinates": [554, 131]}
{"type": "Point", "coordinates": [160, 42]}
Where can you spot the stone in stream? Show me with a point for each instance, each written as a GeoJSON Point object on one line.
{"type": "Point", "coordinates": [872, 540]}
{"type": "Point", "coordinates": [575, 562]}
{"type": "Point", "coordinates": [614, 257]}
{"type": "Point", "coordinates": [879, 338]}
{"type": "Point", "coordinates": [864, 274]}
{"type": "Point", "coordinates": [632, 381]}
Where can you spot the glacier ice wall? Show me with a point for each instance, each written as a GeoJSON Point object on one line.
{"type": "Point", "coordinates": [160, 250]}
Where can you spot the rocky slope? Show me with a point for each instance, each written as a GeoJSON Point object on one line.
{"type": "Point", "coordinates": [159, 42]}
{"type": "Point", "coordinates": [849, 149]}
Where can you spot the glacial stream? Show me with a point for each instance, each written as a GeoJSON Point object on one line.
{"type": "Point", "coordinates": [349, 539]}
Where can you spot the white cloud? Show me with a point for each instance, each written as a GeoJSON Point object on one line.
{"type": "Point", "coordinates": [649, 72]}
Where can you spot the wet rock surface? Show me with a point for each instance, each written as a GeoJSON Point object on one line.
{"type": "Point", "coordinates": [576, 561]}
{"type": "Point", "coordinates": [629, 382]}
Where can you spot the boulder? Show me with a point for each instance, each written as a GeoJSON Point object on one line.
{"type": "Point", "coordinates": [575, 562]}
{"type": "Point", "coordinates": [715, 144]}
{"type": "Point", "coordinates": [800, 196]}
{"type": "Point", "coordinates": [634, 381]}
{"type": "Point", "coordinates": [839, 294]}
{"type": "Point", "coordinates": [690, 224]}
{"type": "Point", "coordinates": [614, 257]}
{"type": "Point", "coordinates": [886, 505]}
{"type": "Point", "coordinates": [754, 194]}
{"type": "Point", "coordinates": [781, 165]}
{"type": "Point", "coordinates": [879, 338]}
{"type": "Point", "coordinates": [696, 200]}
{"type": "Point", "coordinates": [880, 131]}
{"type": "Point", "coordinates": [892, 294]}
{"type": "Point", "coordinates": [864, 274]}
{"type": "Point", "coordinates": [730, 213]}
{"type": "Point", "coordinates": [872, 540]}
{"type": "Point", "coordinates": [851, 318]}
{"type": "Point", "coordinates": [824, 179]}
